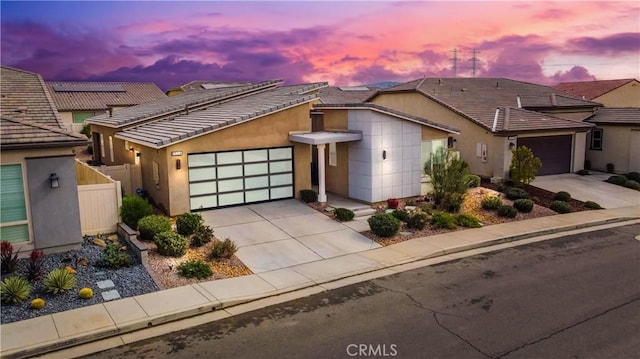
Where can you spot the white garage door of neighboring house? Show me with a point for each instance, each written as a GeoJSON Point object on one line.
{"type": "Point", "coordinates": [221, 179]}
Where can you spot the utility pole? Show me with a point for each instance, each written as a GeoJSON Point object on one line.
{"type": "Point", "coordinates": [474, 60]}
{"type": "Point", "coordinates": [454, 62]}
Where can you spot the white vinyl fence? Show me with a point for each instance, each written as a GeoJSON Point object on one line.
{"type": "Point", "coordinates": [100, 198]}
{"type": "Point", "coordinates": [130, 176]}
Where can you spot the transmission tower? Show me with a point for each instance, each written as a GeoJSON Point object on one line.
{"type": "Point", "coordinates": [474, 60]}
{"type": "Point", "coordinates": [454, 62]}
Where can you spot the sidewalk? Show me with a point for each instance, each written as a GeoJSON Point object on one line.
{"type": "Point", "coordinates": [74, 327]}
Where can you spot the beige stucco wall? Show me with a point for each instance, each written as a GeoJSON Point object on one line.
{"type": "Point", "coordinates": [627, 95]}
{"type": "Point", "coordinates": [616, 148]}
{"type": "Point", "coordinates": [337, 177]}
{"type": "Point", "coordinates": [121, 154]}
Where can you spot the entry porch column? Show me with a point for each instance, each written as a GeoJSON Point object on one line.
{"type": "Point", "coordinates": [322, 195]}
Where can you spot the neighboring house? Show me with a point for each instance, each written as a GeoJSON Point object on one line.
{"type": "Point", "coordinates": [38, 186]}
{"type": "Point", "coordinates": [77, 101]}
{"type": "Point", "coordinates": [495, 115]}
{"type": "Point", "coordinates": [203, 85]}
{"type": "Point", "coordinates": [616, 139]}
{"type": "Point", "coordinates": [610, 93]}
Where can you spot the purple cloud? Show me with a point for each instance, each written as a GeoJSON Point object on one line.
{"type": "Point", "coordinates": [628, 42]}
{"type": "Point", "coordinates": [576, 73]}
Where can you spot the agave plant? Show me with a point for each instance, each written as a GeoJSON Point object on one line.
{"type": "Point", "coordinates": [14, 289]}
{"type": "Point", "coordinates": [59, 280]}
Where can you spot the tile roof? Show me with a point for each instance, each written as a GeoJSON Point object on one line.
{"type": "Point", "coordinates": [172, 105]}
{"type": "Point", "coordinates": [388, 111]}
{"type": "Point", "coordinates": [75, 96]}
{"type": "Point", "coordinates": [478, 98]}
{"type": "Point", "coordinates": [335, 95]}
{"type": "Point", "coordinates": [28, 117]}
{"type": "Point", "coordinates": [181, 127]}
{"type": "Point", "coordinates": [207, 85]}
{"type": "Point", "coordinates": [592, 89]}
{"type": "Point", "coordinates": [616, 115]}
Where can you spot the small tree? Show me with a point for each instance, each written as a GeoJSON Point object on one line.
{"type": "Point", "coordinates": [524, 166]}
{"type": "Point", "coordinates": [449, 177]}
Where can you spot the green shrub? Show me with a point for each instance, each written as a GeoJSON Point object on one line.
{"type": "Point", "coordinates": [632, 184]}
{"type": "Point", "coordinates": [8, 259]}
{"type": "Point", "coordinates": [417, 221]}
{"type": "Point", "coordinates": [582, 172]}
{"type": "Point", "coordinates": [202, 236]}
{"type": "Point", "coordinates": [523, 205]}
{"type": "Point", "coordinates": [401, 215]}
{"type": "Point", "coordinates": [617, 180]}
{"type": "Point", "coordinates": [223, 249]}
{"type": "Point", "coordinates": [133, 209]}
{"type": "Point", "coordinates": [188, 223]}
{"type": "Point", "coordinates": [524, 166]}
{"type": "Point", "coordinates": [343, 214]}
{"type": "Point", "coordinates": [427, 208]}
{"type": "Point", "coordinates": [611, 167]}
{"type": "Point", "coordinates": [472, 180]}
{"type": "Point", "coordinates": [171, 244]}
{"type": "Point", "coordinates": [443, 220]}
{"type": "Point", "coordinates": [467, 220]}
{"type": "Point", "coordinates": [507, 211]}
{"type": "Point", "coordinates": [149, 226]}
{"type": "Point", "coordinates": [14, 289]}
{"type": "Point", "coordinates": [516, 193]}
{"type": "Point", "coordinates": [195, 268]}
{"type": "Point", "coordinates": [560, 207]}
{"type": "Point", "coordinates": [59, 280]}
{"type": "Point", "coordinates": [562, 196]}
{"type": "Point", "coordinates": [113, 257]}
{"type": "Point", "coordinates": [448, 177]}
{"type": "Point", "coordinates": [86, 130]}
{"type": "Point", "coordinates": [384, 224]}
{"type": "Point", "coordinates": [491, 202]}
{"type": "Point", "coordinates": [634, 176]}
{"type": "Point", "coordinates": [592, 205]}
{"type": "Point", "coordinates": [308, 196]}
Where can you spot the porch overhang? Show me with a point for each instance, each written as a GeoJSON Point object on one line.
{"type": "Point", "coordinates": [325, 137]}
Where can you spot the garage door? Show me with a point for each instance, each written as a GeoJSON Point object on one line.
{"type": "Point", "coordinates": [553, 151]}
{"type": "Point", "coordinates": [220, 179]}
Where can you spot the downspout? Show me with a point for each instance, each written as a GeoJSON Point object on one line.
{"type": "Point", "coordinates": [495, 120]}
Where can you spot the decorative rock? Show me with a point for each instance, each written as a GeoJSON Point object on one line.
{"type": "Point", "coordinates": [104, 284]}
{"type": "Point", "coordinates": [113, 238]}
{"type": "Point", "coordinates": [37, 303]}
{"type": "Point", "coordinates": [83, 261]}
{"type": "Point", "coordinates": [409, 208]}
{"type": "Point", "coordinates": [99, 242]}
{"type": "Point", "coordinates": [329, 209]}
{"type": "Point", "coordinates": [124, 248]}
{"type": "Point", "coordinates": [406, 233]}
{"type": "Point", "coordinates": [70, 269]}
{"type": "Point", "coordinates": [85, 293]}
{"type": "Point", "coordinates": [389, 210]}
{"type": "Point", "coordinates": [110, 295]}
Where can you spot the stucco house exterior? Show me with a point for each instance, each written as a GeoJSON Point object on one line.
{"type": "Point", "coordinates": [615, 139]}
{"type": "Point", "coordinates": [77, 101]}
{"type": "Point", "coordinates": [610, 93]}
{"type": "Point", "coordinates": [496, 115]}
{"type": "Point", "coordinates": [38, 185]}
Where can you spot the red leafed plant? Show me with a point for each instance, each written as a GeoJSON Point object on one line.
{"type": "Point", "coordinates": [34, 268]}
{"type": "Point", "coordinates": [392, 203]}
{"type": "Point", "coordinates": [8, 260]}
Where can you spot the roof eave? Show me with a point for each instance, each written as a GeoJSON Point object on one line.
{"type": "Point", "coordinates": [57, 144]}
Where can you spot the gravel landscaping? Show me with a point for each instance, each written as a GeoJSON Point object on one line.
{"type": "Point", "coordinates": [129, 281]}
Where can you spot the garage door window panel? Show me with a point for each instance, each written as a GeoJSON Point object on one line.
{"type": "Point", "coordinates": [256, 156]}
{"type": "Point", "coordinates": [229, 158]}
{"type": "Point", "coordinates": [279, 180]}
{"type": "Point", "coordinates": [229, 199]}
{"type": "Point", "coordinates": [257, 195]}
{"type": "Point", "coordinates": [202, 174]}
{"type": "Point", "coordinates": [256, 169]}
{"type": "Point", "coordinates": [202, 160]}
{"type": "Point", "coordinates": [203, 188]}
{"type": "Point", "coordinates": [256, 182]}
{"type": "Point", "coordinates": [280, 154]}
{"type": "Point", "coordinates": [230, 171]}
{"type": "Point", "coordinates": [282, 192]}
{"type": "Point", "coordinates": [280, 166]}
{"type": "Point", "coordinates": [204, 202]}
{"type": "Point", "coordinates": [231, 185]}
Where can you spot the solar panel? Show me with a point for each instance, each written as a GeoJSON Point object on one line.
{"type": "Point", "coordinates": [209, 86]}
{"type": "Point", "coordinates": [354, 88]}
{"type": "Point", "coordinates": [88, 88]}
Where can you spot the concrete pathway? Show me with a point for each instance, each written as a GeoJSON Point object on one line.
{"type": "Point", "coordinates": [121, 320]}
{"type": "Point", "coordinates": [590, 188]}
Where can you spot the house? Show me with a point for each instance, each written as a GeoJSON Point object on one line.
{"type": "Point", "coordinates": [77, 101]}
{"type": "Point", "coordinates": [615, 139]}
{"type": "Point", "coordinates": [38, 186]}
{"type": "Point", "coordinates": [494, 116]}
{"type": "Point", "coordinates": [203, 85]}
{"type": "Point", "coordinates": [610, 93]}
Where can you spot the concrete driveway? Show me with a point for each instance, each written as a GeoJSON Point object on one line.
{"type": "Point", "coordinates": [282, 234]}
{"type": "Point", "coordinates": [590, 188]}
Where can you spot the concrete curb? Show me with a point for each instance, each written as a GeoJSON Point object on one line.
{"type": "Point", "coordinates": [135, 325]}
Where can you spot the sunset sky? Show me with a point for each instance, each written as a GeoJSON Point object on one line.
{"type": "Point", "coordinates": [344, 43]}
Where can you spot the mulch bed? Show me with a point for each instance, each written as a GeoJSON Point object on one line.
{"type": "Point", "coordinates": [541, 196]}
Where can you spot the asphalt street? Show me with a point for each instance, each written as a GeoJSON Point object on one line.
{"type": "Point", "coordinates": [571, 297]}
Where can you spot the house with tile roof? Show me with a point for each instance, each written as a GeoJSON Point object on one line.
{"type": "Point", "coordinates": [77, 101]}
{"type": "Point", "coordinates": [495, 115]}
{"type": "Point", "coordinates": [615, 139]}
{"type": "Point", "coordinates": [203, 85]}
{"type": "Point", "coordinates": [38, 186]}
{"type": "Point", "coordinates": [610, 93]}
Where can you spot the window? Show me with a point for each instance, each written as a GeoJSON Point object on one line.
{"type": "Point", "coordinates": [429, 147]}
{"type": "Point", "coordinates": [596, 139]}
{"type": "Point", "coordinates": [79, 117]}
{"type": "Point", "coordinates": [111, 148]}
{"type": "Point", "coordinates": [333, 155]}
{"type": "Point", "coordinates": [102, 153]}
{"type": "Point", "coordinates": [13, 212]}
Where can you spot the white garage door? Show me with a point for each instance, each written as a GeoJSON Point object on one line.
{"type": "Point", "coordinates": [221, 179]}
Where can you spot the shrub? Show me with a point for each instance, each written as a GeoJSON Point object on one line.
{"type": "Point", "coordinates": [34, 266]}
{"type": "Point", "coordinates": [223, 249]}
{"type": "Point", "coordinates": [344, 214]}
{"type": "Point", "coordinates": [8, 259]}
{"type": "Point", "coordinates": [308, 196]}
{"type": "Point", "coordinates": [632, 184]}
{"type": "Point", "coordinates": [448, 177]}
{"type": "Point", "coordinates": [516, 193]}
{"type": "Point", "coordinates": [86, 130]}
{"type": "Point", "coordinates": [524, 166]}
{"type": "Point", "coordinates": [562, 196]}
{"type": "Point", "coordinates": [427, 208]}
{"type": "Point", "coordinates": [113, 258]}
{"type": "Point", "coordinates": [523, 205]}
{"type": "Point", "coordinates": [37, 303]}
{"type": "Point", "coordinates": [149, 226]}
{"type": "Point", "coordinates": [188, 223]}
{"type": "Point", "coordinates": [401, 215]}
{"type": "Point", "coordinates": [85, 293]}
{"type": "Point", "coordinates": [472, 180]}
{"type": "Point", "coordinates": [384, 224]}
{"type": "Point", "coordinates": [467, 220]}
{"type": "Point", "coordinates": [560, 207]}
{"type": "Point", "coordinates": [611, 167]}
{"type": "Point", "coordinates": [171, 244]}
{"type": "Point", "coordinates": [634, 176]}
{"type": "Point", "coordinates": [392, 203]}
{"type": "Point", "coordinates": [133, 209]}
{"type": "Point", "coordinates": [59, 280]}
{"type": "Point", "coordinates": [592, 205]}
{"type": "Point", "coordinates": [14, 289]}
{"type": "Point", "coordinates": [443, 220]}
{"type": "Point", "coordinates": [202, 236]}
{"type": "Point", "coordinates": [491, 202]}
{"type": "Point", "coordinates": [417, 221]}
{"type": "Point", "coordinates": [617, 180]}
{"type": "Point", "coordinates": [195, 268]}
{"type": "Point", "coordinates": [582, 172]}
{"type": "Point", "coordinates": [507, 211]}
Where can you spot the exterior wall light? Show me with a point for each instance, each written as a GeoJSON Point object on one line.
{"type": "Point", "coordinates": [384, 154]}
{"type": "Point", "coordinates": [512, 146]}
{"type": "Point", "coordinates": [54, 181]}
